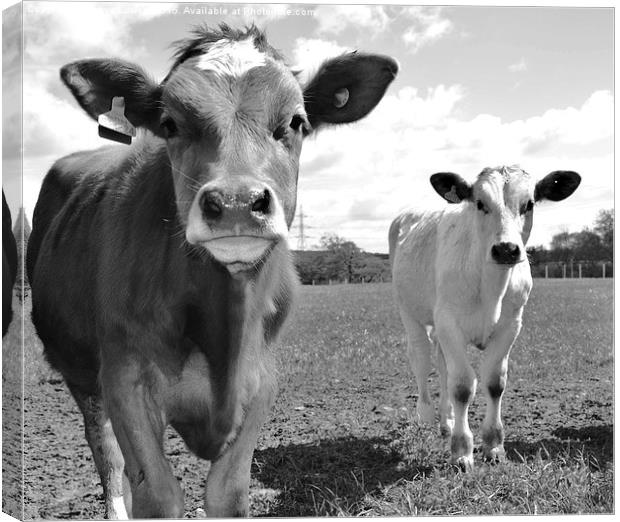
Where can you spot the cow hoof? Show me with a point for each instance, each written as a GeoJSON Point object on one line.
{"type": "Point", "coordinates": [445, 430]}
{"type": "Point", "coordinates": [495, 455]}
{"type": "Point", "coordinates": [464, 463]}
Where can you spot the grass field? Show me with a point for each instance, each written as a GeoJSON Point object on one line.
{"type": "Point", "coordinates": [342, 440]}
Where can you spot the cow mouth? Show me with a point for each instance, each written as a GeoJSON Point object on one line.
{"type": "Point", "coordinates": [239, 252]}
{"type": "Point", "coordinates": [508, 264]}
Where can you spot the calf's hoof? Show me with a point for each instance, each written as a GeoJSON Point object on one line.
{"type": "Point", "coordinates": [464, 463]}
{"type": "Point", "coordinates": [495, 455]}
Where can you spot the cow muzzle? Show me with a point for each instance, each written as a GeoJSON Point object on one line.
{"type": "Point", "coordinates": [507, 253]}
{"type": "Point", "coordinates": [238, 229]}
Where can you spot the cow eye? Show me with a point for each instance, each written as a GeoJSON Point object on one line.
{"type": "Point", "coordinates": [169, 127]}
{"type": "Point", "coordinates": [297, 122]}
{"type": "Point", "coordinates": [481, 207]}
{"type": "Point", "coordinates": [527, 207]}
{"type": "Point", "coordinates": [279, 133]}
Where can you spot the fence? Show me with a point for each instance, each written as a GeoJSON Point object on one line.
{"type": "Point", "coordinates": [573, 269]}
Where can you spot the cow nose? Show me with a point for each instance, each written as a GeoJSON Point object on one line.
{"type": "Point", "coordinates": [225, 208]}
{"type": "Point", "coordinates": [506, 253]}
{"type": "Point", "coordinates": [261, 203]}
{"type": "Point", "coordinates": [211, 204]}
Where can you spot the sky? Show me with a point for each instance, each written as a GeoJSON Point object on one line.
{"type": "Point", "coordinates": [478, 87]}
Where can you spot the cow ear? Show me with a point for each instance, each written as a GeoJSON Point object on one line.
{"type": "Point", "coordinates": [346, 88]}
{"type": "Point", "coordinates": [95, 82]}
{"type": "Point", "coordinates": [451, 187]}
{"type": "Point", "coordinates": [557, 185]}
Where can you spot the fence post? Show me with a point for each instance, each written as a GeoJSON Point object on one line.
{"type": "Point", "coordinates": [564, 271]}
{"type": "Point", "coordinates": [579, 270]}
{"type": "Point", "coordinates": [604, 265]}
{"type": "Point", "coordinates": [546, 271]}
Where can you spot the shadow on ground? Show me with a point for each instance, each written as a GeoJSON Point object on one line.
{"type": "Point", "coordinates": [593, 443]}
{"type": "Point", "coordinates": [314, 478]}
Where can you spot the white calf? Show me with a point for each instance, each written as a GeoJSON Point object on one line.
{"type": "Point", "coordinates": [464, 272]}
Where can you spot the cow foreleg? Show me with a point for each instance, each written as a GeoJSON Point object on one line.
{"type": "Point", "coordinates": [493, 374]}
{"type": "Point", "coordinates": [228, 483]}
{"type": "Point", "coordinates": [419, 353]}
{"type": "Point", "coordinates": [139, 426]}
{"type": "Point", "coordinates": [446, 411]}
{"type": "Point", "coordinates": [461, 384]}
{"type": "Point", "coordinates": [106, 452]}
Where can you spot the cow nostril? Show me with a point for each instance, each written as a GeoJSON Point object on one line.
{"type": "Point", "coordinates": [506, 252]}
{"type": "Point", "coordinates": [263, 203]}
{"type": "Point", "coordinates": [211, 209]}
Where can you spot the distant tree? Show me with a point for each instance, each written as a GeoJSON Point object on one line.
{"type": "Point", "coordinates": [341, 258]}
{"type": "Point", "coordinates": [586, 246]}
{"type": "Point", "coordinates": [604, 227]}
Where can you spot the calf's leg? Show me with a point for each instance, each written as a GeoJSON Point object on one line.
{"type": "Point", "coordinates": [228, 482]}
{"type": "Point", "coordinates": [493, 374]}
{"type": "Point", "coordinates": [446, 411]}
{"type": "Point", "coordinates": [139, 426]}
{"type": "Point", "coordinates": [461, 385]}
{"type": "Point", "coordinates": [106, 452]}
{"type": "Point", "coordinates": [419, 354]}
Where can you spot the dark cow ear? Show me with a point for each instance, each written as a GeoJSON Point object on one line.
{"type": "Point", "coordinates": [557, 185]}
{"type": "Point", "coordinates": [451, 187]}
{"type": "Point", "coordinates": [347, 87]}
{"type": "Point", "coordinates": [95, 82]}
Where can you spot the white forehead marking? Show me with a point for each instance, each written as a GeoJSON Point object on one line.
{"type": "Point", "coordinates": [230, 58]}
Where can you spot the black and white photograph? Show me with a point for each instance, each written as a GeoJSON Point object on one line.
{"type": "Point", "coordinates": [307, 260]}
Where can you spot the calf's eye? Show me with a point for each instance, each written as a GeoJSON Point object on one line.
{"type": "Point", "coordinates": [279, 133]}
{"type": "Point", "coordinates": [481, 207]}
{"type": "Point", "coordinates": [297, 123]}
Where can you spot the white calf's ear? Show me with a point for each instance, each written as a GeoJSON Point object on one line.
{"type": "Point", "coordinates": [346, 88]}
{"type": "Point", "coordinates": [94, 83]}
{"type": "Point", "coordinates": [557, 185]}
{"type": "Point", "coordinates": [451, 187]}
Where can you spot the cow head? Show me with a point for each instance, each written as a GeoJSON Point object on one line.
{"type": "Point", "coordinates": [503, 201]}
{"type": "Point", "coordinates": [233, 116]}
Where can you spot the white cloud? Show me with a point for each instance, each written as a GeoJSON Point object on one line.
{"type": "Point", "coordinates": [64, 28]}
{"type": "Point", "coordinates": [426, 26]}
{"type": "Point", "coordinates": [309, 53]}
{"type": "Point", "coordinates": [336, 19]}
{"type": "Point", "coordinates": [382, 164]}
{"type": "Point", "coordinates": [519, 66]}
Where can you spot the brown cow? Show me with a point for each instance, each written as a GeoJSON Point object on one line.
{"type": "Point", "coordinates": [160, 272]}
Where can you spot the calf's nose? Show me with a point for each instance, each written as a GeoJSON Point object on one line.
{"type": "Point", "coordinates": [248, 205]}
{"type": "Point", "coordinates": [506, 253]}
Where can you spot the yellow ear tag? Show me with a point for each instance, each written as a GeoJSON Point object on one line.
{"type": "Point", "coordinates": [114, 125]}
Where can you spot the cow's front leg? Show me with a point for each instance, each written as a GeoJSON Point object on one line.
{"type": "Point", "coordinates": [106, 452]}
{"type": "Point", "coordinates": [139, 425]}
{"type": "Point", "coordinates": [493, 373]}
{"type": "Point", "coordinates": [461, 384]}
{"type": "Point", "coordinates": [228, 483]}
{"type": "Point", "coordinates": [446, 411]}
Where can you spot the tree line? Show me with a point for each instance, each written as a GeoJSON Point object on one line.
{"type": "Point", "coordinates": [591, 247]}
{"type": "Point", "coordinates": [338, 260]}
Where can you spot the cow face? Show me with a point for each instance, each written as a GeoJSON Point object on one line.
{"type": "Point", "coordinates": [233, 117]}
{"type": "Point", "coordinates": [502, 200]}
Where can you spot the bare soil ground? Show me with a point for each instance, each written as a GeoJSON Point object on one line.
{"type": "Point", "coordinates": [342, 439]}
